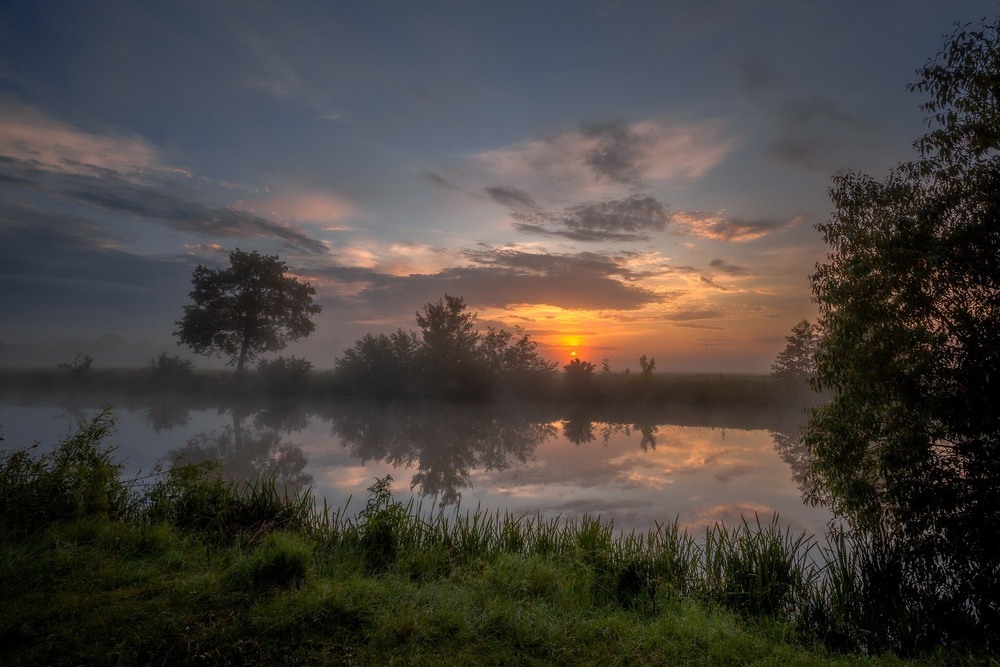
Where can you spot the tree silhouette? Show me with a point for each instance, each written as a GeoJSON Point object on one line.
{"type": "Point", "coordinates": [448, 358]}
{"type": "Point", "coordinates": [248, 308]}
{"type": "Point", "coordinates": [798, 360]}
{"type": "Point", "coordinates": [909, 300]}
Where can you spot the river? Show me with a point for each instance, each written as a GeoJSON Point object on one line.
{"type": "Point", "coordinates": [652, 467]}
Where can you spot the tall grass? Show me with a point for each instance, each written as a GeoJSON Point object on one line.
{"type": "Point", "coordinates": [843, 593]}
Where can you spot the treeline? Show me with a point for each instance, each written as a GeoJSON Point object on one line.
{"type": "Point", "coordinates": [446, 358]}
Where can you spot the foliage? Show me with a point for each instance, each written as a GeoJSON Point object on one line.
{"type": "Point", "coordinates": [215, 572]}
{"type": "Point", "coordinates": [909, 300]}
{"type": "Point", "coordinates": [252, 306]}
{"type": "Point", "coordinates": [284, 374]}
{"type": "Point", "coordinates": [448, 358]}
{"type": "Point", "coordinates": [380, 365]}
{"type": "Point", "coordinates": [647, 366]}
{"type": "Point", "coordinates": [798, 360]}
{"type": "Point", "coordinates": [78, 478]}
{"type": "Point", "coordinates": [578, 378]}
{"type": "Point", "coordinates": [170, 372]}
{"type": "Point", "coordinates": [79, 366]}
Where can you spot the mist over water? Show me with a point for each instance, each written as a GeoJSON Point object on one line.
{"type": "Point", "coordinates": [698, 467]}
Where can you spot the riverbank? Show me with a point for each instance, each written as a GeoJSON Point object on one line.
{"type": "Point", "coordinates": [100, 592]}
{"type": "Point", "coordinates": [185, 568]}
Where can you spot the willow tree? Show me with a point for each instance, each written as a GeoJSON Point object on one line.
{"type": "Point", "coordinates": [250, 307]}
{"type": "Point", "coordinates": [909, 299]}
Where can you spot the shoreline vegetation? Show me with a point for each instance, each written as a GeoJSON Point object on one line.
{"type": "Point", "coordinates": [184, 567]}
{"type": "Point", "coordinates": [625, 388]}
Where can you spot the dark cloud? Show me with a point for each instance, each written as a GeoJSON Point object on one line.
{"type": "Point", "coordinates": [686, 315]}
{"type": "Point", "coordinates": [731, 269]}
{"type": "Point", "coordinates": [818, 134]}
{"type": "Point", "coordinates": [692, 325]}
{"type": "Point", "coordinates": [440, 181]}
{"type": "Point", "coordinates": [153, 199]}
{"type": "Point", "coordinates": [510, 197]}
{"type": "Point", "coordinates": [618, 152]}
{"type": "Point", "coordinates": [710, 282]}
{"type": "Point", "coordinates": [57, 268]}
{"type": "Point", "coordinates": [502, 278]}
{"type": "Point", "coordinates": [628, 219]}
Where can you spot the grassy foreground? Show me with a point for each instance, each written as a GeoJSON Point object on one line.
{"type": "Point", "coordinates": [185, 568]}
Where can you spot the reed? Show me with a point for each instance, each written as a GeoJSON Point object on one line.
{"type": "Point", "coordinates": [396, 575]}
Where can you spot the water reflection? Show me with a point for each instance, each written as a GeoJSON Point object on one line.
{"type": "Point", "coordinates": [579, 428]}
{"type": "Point", "coordinates": [247, 453]}
{"type": "Point", "coordinates": [637, 467]}
{"type": "Point", "coordinates": [166, 415]}
{"type": "Point", "coordinates": [444, 442]}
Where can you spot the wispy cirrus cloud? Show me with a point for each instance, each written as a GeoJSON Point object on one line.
{"type": "Point", "coordinates": [125, 176]}
{"type": "Point", "coordinates": [33, 138]}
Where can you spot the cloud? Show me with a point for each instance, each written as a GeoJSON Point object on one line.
{"type": "Point", "coordinates": [56, 267]}
{"type": "Point", "coordinates": [722, 227]}
{"type": "Point", "coordinates": [731, 269]}
{"type": "Point", "coordinates": [510, 197]}
{"type": "Point", "coordinates": [30, 137]}
{"type": "Point", "coordinates": [502, 278]}
{"type": "Point", "coordinates": [686, 315]}
{"type": "Point", "coordinates": [194, 217]}
{"type": "Point", "coordinates": [597, 158]}
{"type": "Point", "coordinates": [818, 134]}
{"type": "Point", "coordinates": [43, 158]}
{"type": "Point", "coordinates": [321, 208]}
{"type": "Point", "coordinates": [692, 325]}
{"type": "Point", "coordinates": [628, 219]}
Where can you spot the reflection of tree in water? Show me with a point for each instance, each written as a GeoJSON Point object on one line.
{"type": "Point", "coordinates": [445, 442]}
{"type": "Point", "coordinates": [281, 417]}
{"type": "Point", "coordinates": [788, 443]}
{"type": "Point", "coordinates": [579, 429]}
{"type": "Point", "coordinates": [166, 414]}
{"type": "Point", "coordinates": [247, 454]}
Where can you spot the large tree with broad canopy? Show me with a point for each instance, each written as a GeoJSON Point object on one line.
{"type": "Point", "coordinates": [250, 307]}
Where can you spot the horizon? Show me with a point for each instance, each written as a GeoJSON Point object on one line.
{"type": "Point", "coordinates": [618, 179]}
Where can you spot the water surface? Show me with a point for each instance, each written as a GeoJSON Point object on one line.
{"type": "Point", "coordinates": [634, 471]}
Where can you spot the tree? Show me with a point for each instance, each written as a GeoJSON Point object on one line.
{"type": "Point", "coordinates": [248, 308]}
{"type": "Point", "coordinates": [797, 360]}
{"type": "Point", "coordinates": [449, 355]}
{"type": "Point", "coordinates": [909, 300]}
{"type": "Point", "coordinates": [578, 377]}
{"type": "Point", "coordinates": [380, 365]}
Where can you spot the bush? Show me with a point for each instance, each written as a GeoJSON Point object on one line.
{"type": "Point", "coordinates": [77, 479]}
{"type": "Point", "coordinates": [170, 372]}
{"type": "Point", "coordinates": [284, 374]}
{"type": "Point", "coordinates": [281, 560]}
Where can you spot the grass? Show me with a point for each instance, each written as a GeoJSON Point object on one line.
{"type": "Point", "coordinates": [186, 568]}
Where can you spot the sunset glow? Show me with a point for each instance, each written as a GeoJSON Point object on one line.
{"type": "Point", "coordinates": [612, 179]}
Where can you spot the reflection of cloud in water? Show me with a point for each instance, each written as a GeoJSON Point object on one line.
{"type": "Point", "coordinates": [730, 514]}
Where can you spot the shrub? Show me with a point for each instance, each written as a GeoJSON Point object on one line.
{"type": "Point", "coordinates": [170, 372]}
{"type": "Point", "coordinates": [281, 560]}
{"type": "Point", "coordinates": [76, 479]}
{"type": "Point", "coordinates": [284, 374]}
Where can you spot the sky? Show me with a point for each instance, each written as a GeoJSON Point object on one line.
{"type": "Point", "coordinates": [617, 178]}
